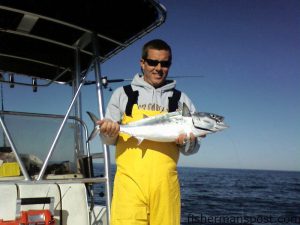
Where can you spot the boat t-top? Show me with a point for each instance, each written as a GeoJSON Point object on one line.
{"type": "Point", "coordinates": [46, 164]}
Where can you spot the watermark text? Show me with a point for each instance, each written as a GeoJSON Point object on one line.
{"type": "Point", "coordinates": [266, 219]}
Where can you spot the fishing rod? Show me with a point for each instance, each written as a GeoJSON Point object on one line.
{"type": "Point", "coordinates": [105, 81]}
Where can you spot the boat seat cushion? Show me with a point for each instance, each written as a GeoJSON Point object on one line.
{"type": "Point", "coordinates": [74, 204]}
{"type": "Point", "coordinates": [8, 199]}
{"type": "Point", "coordinates": [70, 201]}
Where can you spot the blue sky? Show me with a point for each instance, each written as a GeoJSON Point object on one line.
{"type": "Point", "coordinates": [248, 52]}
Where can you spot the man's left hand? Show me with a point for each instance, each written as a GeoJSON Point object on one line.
{"type": "Point", "coordinates": [183, 139]}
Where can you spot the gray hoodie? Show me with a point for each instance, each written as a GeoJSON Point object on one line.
{"type": "Point", "coordinates": [150, 98]}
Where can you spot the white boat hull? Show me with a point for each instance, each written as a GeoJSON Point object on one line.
{"type": "Point", "coordinates": [70, 202]}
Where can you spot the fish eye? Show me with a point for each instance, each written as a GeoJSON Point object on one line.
{"type": "Point", "coordinates": [213, 116]}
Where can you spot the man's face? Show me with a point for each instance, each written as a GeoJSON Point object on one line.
{"type": "Point", "coordinates": [156, 73]}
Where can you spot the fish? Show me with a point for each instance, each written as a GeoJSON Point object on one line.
{"type": "Point", "coordinates": [167, 127]}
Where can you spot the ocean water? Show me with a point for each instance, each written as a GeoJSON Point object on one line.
{"type": "Point", "coordinates": [232, 196]}
{"type": "Point", "coordinates": [220, 196]}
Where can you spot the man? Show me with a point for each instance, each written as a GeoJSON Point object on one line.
{"type": "Point", "coordinates": [146, 187]}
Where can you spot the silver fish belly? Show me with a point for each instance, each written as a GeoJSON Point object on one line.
{"type": "Point", "coordinates": [161, 131]}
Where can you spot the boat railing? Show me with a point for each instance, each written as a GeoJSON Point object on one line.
{"type": "Point", "coordinates": [15, 142]}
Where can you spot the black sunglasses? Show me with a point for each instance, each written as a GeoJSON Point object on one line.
{"type": "Point", "coordinates": [152, 62]}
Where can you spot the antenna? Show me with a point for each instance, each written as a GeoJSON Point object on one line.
{"type": "Point", "coordinates": [188, 76]}
{"type": "Point", "coordinates": [2, 105]}
{"type": "Point", "coordinates": [2, 98]}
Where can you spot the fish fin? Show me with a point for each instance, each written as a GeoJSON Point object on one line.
{"type": "Point", "coordinates": [145, 116]}
{"type": "Point", "coordinates": [180, 106]}
{"type": "Point", "coordinates": [185, 111]}
{"type": "Point", "coordinates": [93, 134]}
{"type": "Point", "coordinates": [140, 140]}
{"type": "Point", "coordinates": [96, 127]}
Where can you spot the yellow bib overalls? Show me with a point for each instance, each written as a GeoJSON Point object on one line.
{"type": "Point", "coordinates": [146, 187]}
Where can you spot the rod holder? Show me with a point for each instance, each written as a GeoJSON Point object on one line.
{"type": "Point", "coordinates": [34, 84]}
{"type": "Point", "coordinates": [11, 79]}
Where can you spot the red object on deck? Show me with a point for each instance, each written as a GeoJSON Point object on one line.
{"type": "Point", "coordinates": [32, 217]}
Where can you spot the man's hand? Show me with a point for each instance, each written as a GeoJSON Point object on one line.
{"type": "Point", "coordinates": [183, 139]}
{"type": "Point", "coordinates": [109, 128]}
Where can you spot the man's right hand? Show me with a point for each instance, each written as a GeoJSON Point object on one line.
{"type": "Point", "coordinates": [109, 128]}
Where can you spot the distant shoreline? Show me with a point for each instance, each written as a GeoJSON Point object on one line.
{"type": "Point", "coordinates": [213, 168]}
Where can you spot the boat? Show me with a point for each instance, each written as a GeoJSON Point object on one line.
{"type": "Point", "coordinates": [46, 163]}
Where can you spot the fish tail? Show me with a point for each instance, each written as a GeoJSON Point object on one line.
{"type": "Point", "coordinates": [95, 130]}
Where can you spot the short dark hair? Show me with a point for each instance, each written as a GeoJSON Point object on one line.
{"type": "Point", "coordinates": [156, 44]}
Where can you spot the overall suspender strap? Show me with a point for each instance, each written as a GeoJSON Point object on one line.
{"type": "Point", "coordinates": [132, 99]}
{"type": "Point", "coordinates": [173, 101]}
